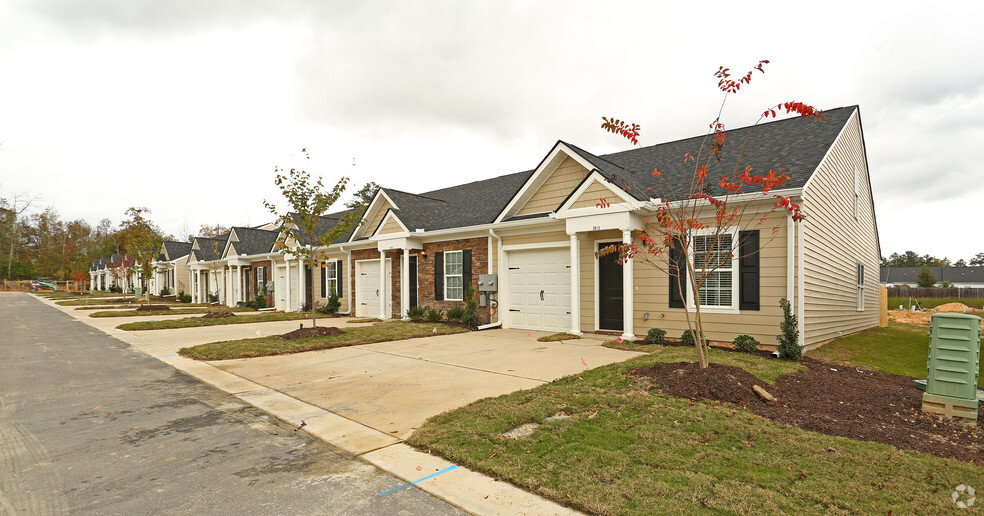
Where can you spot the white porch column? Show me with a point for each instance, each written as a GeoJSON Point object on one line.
{"type": "Point", "coordinates": [287, 286]}
{"type": "Point", "coordinates": [194, 285]}
{"type": "Point", "coordinates": [228, 286]}
{"type": "Point", "coordinates": [382, 287]}
{"type": "Point", "coordinates": [238, 284]}
{"type": "Point", "coordinates": [92, 281]}
{"type": "Point", "coordinates": [404, 284]}
{"type": "Point", "coordinates": [575, 286]}
{"type": "Point", "coordinates": [301, 284]}
{"type": "Point", "coordinates": [628, 292]}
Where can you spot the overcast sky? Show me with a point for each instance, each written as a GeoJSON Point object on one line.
{"type": "Point", "coordinates": [186, 106]}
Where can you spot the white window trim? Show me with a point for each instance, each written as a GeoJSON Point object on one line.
{"type": "Point", "coordinates": [859, 267]}
{"type": "Point", "coordinates": [459, 275]}
{"type": "Point", "coordinates": [735, 277]}
{"type": "Point", "coordinates": [331, 277]}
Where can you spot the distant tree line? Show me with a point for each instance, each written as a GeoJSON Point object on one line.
{"type": "Point", "coordinates": [912, 259]}
{"type": "Point", "coordinates": [41, 244]}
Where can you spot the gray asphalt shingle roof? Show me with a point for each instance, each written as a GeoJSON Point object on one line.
{"type": "Point", "coordinates": [254, 241]}
{"type": "Point", "coordinates": [174, 250]}
{"type": "Point", "coordinates": [210, 248]}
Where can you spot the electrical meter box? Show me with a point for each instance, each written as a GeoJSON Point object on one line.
{"type": "Point", "coordinates": [952, 368]}
{"type": "Point", "coordinates": [488, 282]}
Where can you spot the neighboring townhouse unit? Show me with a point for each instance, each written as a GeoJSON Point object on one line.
{"type": "Point", "coordinates": [958, 277]}
{"type": "Point", "coordinates": [207, 271]}
{"type": "Point", "coordinates": [539, 231]}
{"type": "Point", "coordinates": [249, 254]}
{"type": "Point", "coordinates": [170, 271]}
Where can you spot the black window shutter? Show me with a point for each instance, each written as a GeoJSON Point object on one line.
{"type": "Point", "coordinates": [465, 273]}
{"type": "Point", "coordinates": [324, 280]}
{"type": "Point", "coordinates": [439, 276]}
{"type": "Point", "coordinates": [338, 278]}
{"type": "Point", "coordinates": [678, 268]}
{"type": "Point", "coordinates": [748, 270]}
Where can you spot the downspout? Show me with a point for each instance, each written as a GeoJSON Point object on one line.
{"type": "Point", "coordinates": [801, 284]}
{"type": "Point", "coordinates": [492, 302]}
{"type": "Point", "coordinates": [348, 279]}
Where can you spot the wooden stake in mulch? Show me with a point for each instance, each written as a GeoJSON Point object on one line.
{"type": "Point", "coordinates": [764, 394]}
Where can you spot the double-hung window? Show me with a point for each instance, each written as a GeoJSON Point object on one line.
{"type": "Point", "coordinates": [331, 277]}
{"type": "Point", "coordinates": [453, 286]}
{"type": "Point", "coordinates": [860, 287]}
{"type": "Point", "coordinates": [714, 260]}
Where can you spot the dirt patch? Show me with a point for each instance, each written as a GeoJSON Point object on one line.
{"type": "Point", "coordinates": [318, 331]}
{"type": "Point", "coordinates": [957, 308]}
{"type": "Point", "coordinates": [153, 307]}
{"type": "Point", "coordinates": [218, 315]}
{"type": "Point", "coordinates": [923, 318]}
{"type": "Point", "coordinates": [832, 400]}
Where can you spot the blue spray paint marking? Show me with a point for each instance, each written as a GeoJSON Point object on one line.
{"type": "Point", "coordinates": [445, 470]}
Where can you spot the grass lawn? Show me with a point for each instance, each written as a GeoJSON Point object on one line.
{"type": "Point", "coordinates": [899, 349]}
{"type": "Point", "coordinates": [178, 311]}
{"type": "Point", "coordinates": [629, 450]}
{"type": "Point", "coordinates": [194, 322]}
{"type": "Point", "coordinates": [926, 302]}
{"type": "Point", "coordinates": [118, 301]}
{"type": "Point", "coordinates": [264, 346]}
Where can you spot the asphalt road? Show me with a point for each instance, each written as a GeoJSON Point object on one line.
{"type": "Point", "coordinates": [89, 425]}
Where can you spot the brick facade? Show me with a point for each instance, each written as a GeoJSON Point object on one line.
{"type": "Point", "coordinates": [250, 272]}
{"type": "Point", "coordinates": [425, 271]}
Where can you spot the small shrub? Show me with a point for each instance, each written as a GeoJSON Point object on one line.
{"type": "Point", "coordinates": [745, 344]}
{"type": "Point", "coordinates": [333, 304]}
{"type": "Point", "coordinates": [213, 298]}
{"type": "Point", "coordinates": [655, 336]}
{"type": "Point", "coordinates": [165, 292]}
{"type": "Point", "coordinates": [470, 316]}
{"type": "Point", "coordinates": [687, 339]}
{"type": "Point", "coordinates": [116, 288]}
{"type": "Point", "coordinates": [259, 302]}
{"type": "Point", "coordinates": [434, 314]}
{"type": "Point", "coordinates": [789, 334]}
{"type": "Point", "coordinates": [416, 312]}
{"type": "Point", "coordinates": [455, 313]}
{"type": "Point", "coordinates": [184, 298]}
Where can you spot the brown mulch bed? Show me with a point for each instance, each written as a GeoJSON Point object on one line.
{"type": "Point", "coordinates": [218, 315]}
{"type": "Point", "coordinates": [153, 307]}
{"type": "Point", "coordinates": [318, 331]}
{"type": "Point", "coordinates": [865, 406]}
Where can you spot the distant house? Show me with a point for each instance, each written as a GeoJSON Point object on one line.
{"type": "Point", "coordinates": [959, 277]}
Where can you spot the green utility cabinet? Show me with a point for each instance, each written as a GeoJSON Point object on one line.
{"type": "Point", "coordinates": [954, 359]}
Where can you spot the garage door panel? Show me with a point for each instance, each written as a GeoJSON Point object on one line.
{"type": "Point", "coordinates": [535, 271]}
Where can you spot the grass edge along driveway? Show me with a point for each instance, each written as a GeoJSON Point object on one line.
{"type": "Point", "coordinates": [626, 449]}
{"type": "Point", "coordinates": [195, 322]}
{"type": "Point", "coordinates": [177, 311]}
{"type": "Point", "coordinates": [274, 345]}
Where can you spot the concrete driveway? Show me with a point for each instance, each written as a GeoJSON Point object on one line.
{"type": "Point", "coordinates": [394, 387]}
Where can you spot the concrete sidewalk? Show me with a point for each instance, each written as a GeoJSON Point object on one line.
{"type": "Point", "coordinates": [367, 399]}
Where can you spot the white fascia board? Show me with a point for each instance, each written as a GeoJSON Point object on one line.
{"type": "Point", "coordinates": [745, 197]}
{"type": "Point", "coordinates": [456, 233]}
{"type": "Point", "coordinates": [831, 148]}
{"type": "Point", "coordinates": [371, 210]}
{"type": "Point", "coordinates": [228, 243]}
{"type": "Point", "coordinates": [399, 243]}
{"type": "Point", "coordinates": [625, 220]}
{"type": "Point", "coordinates": [390, 215]}
{"type": "Point", "coordinates": [597, 177]}
{"type": "Point", "coordinates": [547, 166]}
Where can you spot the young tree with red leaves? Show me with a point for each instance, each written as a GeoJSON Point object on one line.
{"type": "Point", "coordinates": [693, 233]}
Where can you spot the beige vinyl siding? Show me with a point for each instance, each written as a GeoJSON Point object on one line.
{"type": "Point", "coordinates": [391, 227]}
{"type": "Point", "coordinates": [593, 195]}
{"type": "Point", "coordinates": [377, 218]}
{"type": "Point", "coordinates": [835, 242]}
{"type": "Point", "coordinates": [316, 282]}
{"type": "Point", "coordinates": [536, 238]}
{"type": "Point", "coordinates": [653, 286]}
{"type": "Point", "coordinates": [556, 188]}
{"type": "Point", "coordinates": [182, 279]}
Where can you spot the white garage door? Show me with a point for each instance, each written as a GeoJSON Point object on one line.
{"type": "Point", "coordinates": [540, 289]}
{"type": "Point", "coordinates": [367, 289]}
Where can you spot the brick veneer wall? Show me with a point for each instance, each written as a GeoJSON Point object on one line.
{"type": "Point", "coordinates": [250, 281]}
{"type": "Point", "coordinates": [425, 271]}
